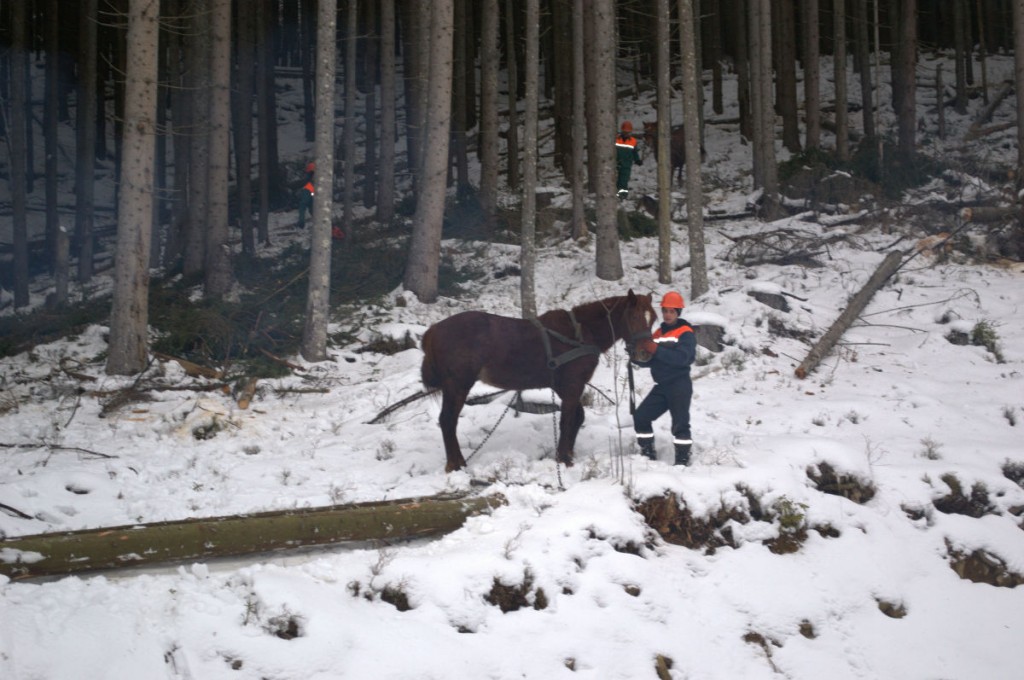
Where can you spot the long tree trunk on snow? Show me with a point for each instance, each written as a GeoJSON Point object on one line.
{"type": "Point", "coordinates": [528, 246]}
{"type": "Point", "coordinates": [425, 248]}
{"type": "Point", "coordinates": [314, 333]}
{"type": "Point", "coordinates": [129, 316]}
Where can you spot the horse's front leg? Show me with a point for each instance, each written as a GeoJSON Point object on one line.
{"type": "Point", "coordinates": [569, 427]}
{"type": "Point", "coordinates": [451, 406]}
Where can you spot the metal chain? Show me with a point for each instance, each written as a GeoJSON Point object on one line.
{"type": "Point", "coordinates": [491, 431]}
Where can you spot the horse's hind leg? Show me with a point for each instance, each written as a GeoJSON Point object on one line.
{"type": "Point", "coordinates": [451, 406]}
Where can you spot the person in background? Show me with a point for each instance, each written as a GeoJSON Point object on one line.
{"type": "Point", "coordinates": [670, 353]}
{"type": "Point", "coordinates": [625, 156]}
{"type": "Point", "coordinates": [306, 195]}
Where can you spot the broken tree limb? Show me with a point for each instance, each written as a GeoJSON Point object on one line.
{"type": "Point", "coordinates": [986, 115]}
{"type": "Point", "coordinates": [827, 341]}
{"type": "Point", "coordinates": [57, 554]}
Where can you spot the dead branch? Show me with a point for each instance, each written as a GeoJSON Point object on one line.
{"type": "Point", "coordinates": [975, 130]}
{"type": "Point", "coordinates": [15, 512]}
{"type": "Point", "coordinates": [827, 341]}
{"type": "Point", "coordinates": [283, 362]}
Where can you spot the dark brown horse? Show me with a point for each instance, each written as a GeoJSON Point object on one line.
{"type": "Point", "coordinates": [560, 349]}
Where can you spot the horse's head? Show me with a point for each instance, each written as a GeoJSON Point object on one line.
{"type": "Point", "coordinates": [637, 319]}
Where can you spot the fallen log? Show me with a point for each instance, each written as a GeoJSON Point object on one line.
{"type": "Point", "coordinates": [72, 552]}
{"type": "Point", "coordinates": [825, 343]}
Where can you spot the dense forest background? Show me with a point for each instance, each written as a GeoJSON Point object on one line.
{"type": "Point", "coordinates": [160, 150]}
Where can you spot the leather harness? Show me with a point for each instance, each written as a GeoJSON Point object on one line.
{"type": "Point", "coordinates": [579, 348]}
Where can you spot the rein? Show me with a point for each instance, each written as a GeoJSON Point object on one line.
{"type": "Point", "coordinates": [579, 348]}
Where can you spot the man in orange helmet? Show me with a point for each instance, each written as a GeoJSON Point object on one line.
{"type": "Point", "coordinates": [306, 195]}
{"type": "Point", "coordinates": [670, 353]}
{"type": "Point", "coordinates": [625, 156]}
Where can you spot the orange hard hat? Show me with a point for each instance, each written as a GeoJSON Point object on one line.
{"type": "Point", "coordinates": [311, 167]}
{"type": "Point", "coordinates": [672, 300]}
{"type": "Point", "coordinates": [627, 126]}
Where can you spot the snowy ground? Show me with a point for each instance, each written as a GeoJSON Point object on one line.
{"type": "Point", "coordinates": [897, 406]}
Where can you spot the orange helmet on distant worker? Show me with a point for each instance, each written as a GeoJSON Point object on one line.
{"type": "Point", "coordinates": [672, 300]}
{"type": "Point", "coordinates": [627, 126]}
{"type": "Point", "coordinates": [311, 166]}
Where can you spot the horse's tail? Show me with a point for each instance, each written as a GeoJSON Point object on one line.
{"type": "Point", "coordinates": [428, 371]}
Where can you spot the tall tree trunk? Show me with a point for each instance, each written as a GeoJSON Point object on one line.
{"type": "Point", "coordinates": [314, 333]}
{"type": "Point", "coordinates": [218, 261]}
{"type": "Point", "coordinates": [415, 33]}
{"type": "Point", "coordinates": [744, 86]}
{"type": "Point", "coordinates": [198, 74]}
{"type": "Point", "coordinates": [864, 65]}
{"type": "Point", "coordinates": [715, 48]}
{"type": "Point", "coordinates": [512, 78]}
{"type": "Point", "coordinates": [839, 69]}
{"type": "Point", "coordinates": [907, 56]}
{"type": "Point", "coordinates": [16, 140]}
{"type": "Point", "coordinates": [348, 130]}
{"type": "Point", "coordinates": [528, 247]}
{"type": "Point", "coordinates": [559, 81]}
{"type": "Point", "coordinates": [56, 235]}
{"type": "Point", "coordinates": [1018, 80]}
{"type": "Point", "coordinates": [371, 42]}
{"type": "Point", "coordinates": [85, 136]}
{"type": "Point", "coordinates": [608, 258]}
{"type": "Point", "coordinates": [425, 247]}
{"type": "Point", "coordinates": [764, 112]}
{"type": "Point", "coordinates": [812, 74]}
{"type": "Point", "coordinates": [459, 107]}
{"type": "Point", "coordinates": [784, 36]}
{"type": "Point", "coordinates": [307, 45]}
{"type": "Point", "coordinates": [663, 63]}
{"type": "Point", "coordinates": [691, 138]}
{"type": "Point", "coordinates": [129, 315]}
{"type": "Point", "coordinates": [386, 188]}
{"type": "Point", "coordinates": [579, 228]}
{"type": "Point", "coordinates": [489, 62]}
{"type": "Point", "coordinates": [243, 125]}
{"type": "Point", "coordinates": [962, 51]}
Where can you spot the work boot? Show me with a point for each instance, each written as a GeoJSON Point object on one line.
{"type": "Point", "coordinates": [683, 454]}
{"type": "Point", "coordinates": [647, 448]}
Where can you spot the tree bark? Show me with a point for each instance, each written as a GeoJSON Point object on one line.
{"type": "Point", "coordinates": [197, 50]}
{"type": "Point", "coordinates": [664, 156]}
{"type": "Point", "coordinates": [579, 228]}
{"type": "Point", "coordinates": [691, 140]}
{"type": "Point", "coordinates": [827, 341]}
{"type": "Point", "coordinates": [218, 263]}
{"type": "Point", "coordinates": [386, 180]}
{"type": "Point", "coordinates": [488, 149]}
{"type": "Point", "coordinates": [72, 552]}
{"type": "Point", "coordinates": [348, 130]}
{"type": "Point", "coordinates": [839, 69]}
{"type": "Point", "coordinates": [907, 57]}
{"type": "Point", "coordinates": [812, 74]}
{"type": "Point", "coordinates": [314, 333]}
{"type": "Point", "coordinates": [421, 274]}
{"type": "Point", "coordinates": [85, 136]}
{"type": "Point", "coordinates": [512, 78]}
{"type": "Point", "coordinates": [608, 258]}
{"type": "Point", "coordinates": [528, 245]}
{"type": "Point", "coordinates": [243, 126]}
{"type": "Point", "coordinates": [16, 140]}
{"type": "Point", "coordinates": [129, 316]}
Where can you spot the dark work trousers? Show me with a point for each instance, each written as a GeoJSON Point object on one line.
{"type": "Point", "coordinates": [674, 397]}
